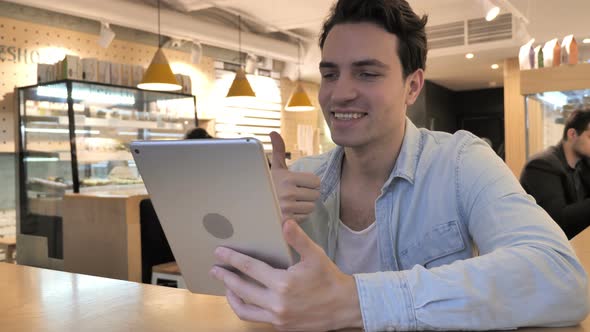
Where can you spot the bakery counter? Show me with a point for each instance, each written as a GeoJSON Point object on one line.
{"type": "Point", "coordinates": [101, 233]}
{"type": "Point", "coordinates": [46, 206]}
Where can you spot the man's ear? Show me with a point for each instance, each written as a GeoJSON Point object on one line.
{"type": "Point", "coordinates": [414, 84]}
{"type": "Point", "coordinates": [571, 133]}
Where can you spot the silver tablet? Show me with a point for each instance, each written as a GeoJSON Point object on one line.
{"type": "Point", "coordinates": [209, 193]}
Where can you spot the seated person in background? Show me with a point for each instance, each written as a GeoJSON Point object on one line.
{"type": "Point", "coordinates": [559, 177]}
{"type": "Point", "coordinates": [197, 133]}
{"type": "Point", "coordinates": [387, 224]}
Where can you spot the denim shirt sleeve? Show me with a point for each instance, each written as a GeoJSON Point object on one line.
{"type": "Point", "coordinates": [526, 275]}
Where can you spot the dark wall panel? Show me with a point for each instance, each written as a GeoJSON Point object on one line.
{"type": "Point", "coordinates": [440, 108]}
{"type": "Point", "coordinates": [417, 111]}
{"type": "Point", "coordinates": [482, 113]}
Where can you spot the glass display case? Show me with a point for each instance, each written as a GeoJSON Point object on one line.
{"type": "Point", "coordinates": [74, 137]}
{"type": "Point", "coordinates": [7, 199]}
{"type": "Point", "coordinates": [545, 116]}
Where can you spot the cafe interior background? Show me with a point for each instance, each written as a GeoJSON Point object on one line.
{"type": "Point", "coordinates": [67, 179]}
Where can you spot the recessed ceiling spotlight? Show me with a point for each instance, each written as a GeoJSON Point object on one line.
{"type": "Point", "coordinates": [586, 41]}
{"type": "Point", "coordinates": [490, 9]}
{"type": "Point", "coordinates": [469, 55]}
{"type": "Point", "coordinates": [492, 13]}
{"type": "Point", "coordinates": [495, 66]}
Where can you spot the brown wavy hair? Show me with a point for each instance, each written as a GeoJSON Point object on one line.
{"type": "Point", "coordinates": [395, 16]}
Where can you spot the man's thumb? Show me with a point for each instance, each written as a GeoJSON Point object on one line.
{"type": "Point", "coordinates": [278, 151]}
{"type": "Point", "coordinates": [297, 239]}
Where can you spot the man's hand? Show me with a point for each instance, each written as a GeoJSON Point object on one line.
{"type": "Point", "coordinates": [312, 295]}
{"type": "Point", "coordinates": [297, 192]}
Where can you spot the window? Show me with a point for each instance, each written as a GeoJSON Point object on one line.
{"type": "Point", "coordinates": [247, 117]}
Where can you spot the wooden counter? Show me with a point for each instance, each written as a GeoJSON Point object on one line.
{"type": "Point", "coordinates": [101, 234]}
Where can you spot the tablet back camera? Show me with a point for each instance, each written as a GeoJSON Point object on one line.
{"type": "Point", "coordinates": [218, 226]}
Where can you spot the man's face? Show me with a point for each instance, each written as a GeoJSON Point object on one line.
{"type": "Point", "coordinates": [363, 94]}
{"type": "Point", "coordinates": [581, 143]}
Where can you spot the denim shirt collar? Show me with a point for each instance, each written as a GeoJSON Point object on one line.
{"type": "Point", "coordinates": [407, 160]}
{"type": "Point", "coordinates": [405, 165]}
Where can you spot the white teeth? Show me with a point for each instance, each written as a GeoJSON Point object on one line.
{"type": "Point", "coordinates": [348, 116]}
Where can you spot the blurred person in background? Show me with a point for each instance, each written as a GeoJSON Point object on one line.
{"type": "Point", "coordinates": [559, 177]}
{"type": "Point", "coordinates": [196, 133]}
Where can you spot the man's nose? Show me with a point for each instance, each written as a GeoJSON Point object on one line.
{"type": "Point", "coordinates": [344, 90]}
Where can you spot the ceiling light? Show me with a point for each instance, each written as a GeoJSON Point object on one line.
{"type": "Point", "coordinates": [299, 100]}
{"type": "Point", "coordinates": [586, 41]}
{"type": "Point", "coordinates": [251, 63]}
{"type": "Point", "coordinates": [490, 9]}
{"type": "Point", "coordinates": [469, 55]}
{"type": "Point", "coordinates": [495, 66]}
{"type": "Point", "coordinates": [158, 75]}
{"type": "Point", "coordinates": [240, 87]}
{"type": "Point", "coordinates": [196, 52]}
{"type": "Point", "coordinates": [41, 159]}
{"type": "Point", "coordinates": [492, 13]}
{"type": "Point", "coordinates": [106, 35]}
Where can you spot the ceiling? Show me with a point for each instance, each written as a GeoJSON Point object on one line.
{"type": "Point", "coordinates": [540, 19]}
{"type": "Point", "coordinates": [283, 22]}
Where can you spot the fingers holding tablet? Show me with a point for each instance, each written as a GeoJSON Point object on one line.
{"type": "Point", "coordinates": [297, 192]}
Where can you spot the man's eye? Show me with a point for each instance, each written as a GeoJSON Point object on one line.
{"type": "Point", "coordinates": [329, 76]}
{"type": "Point", "coordinates": [368, 75]}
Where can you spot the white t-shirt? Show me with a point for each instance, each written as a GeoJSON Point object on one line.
{"type": "Point", "coordinates": [356, 252]}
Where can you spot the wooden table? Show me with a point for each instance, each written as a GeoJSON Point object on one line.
{"type": "Point", "coordinates": [33, 299]}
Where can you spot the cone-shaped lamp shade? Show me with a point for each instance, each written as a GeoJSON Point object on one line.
{"type": "Point", "coordinates": [299, 101]}
{"type": "Point", "coordinates": [240, 87]}
{"type": "Point", "coordinates": [159, 76]}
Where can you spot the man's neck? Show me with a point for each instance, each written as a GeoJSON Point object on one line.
{"type": "Point", "coordinates": [571, 157]}
{"type": "Point", "coordinates": [373, 164]}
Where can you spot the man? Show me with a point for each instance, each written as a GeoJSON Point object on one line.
{"type": "Point", "coordinates": [559, 177]}
{"type": "Point", "coordinates": [390, 219]}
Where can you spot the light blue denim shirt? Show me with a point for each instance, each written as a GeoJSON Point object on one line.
{"type": "Point", "coordinates": [448, 198]}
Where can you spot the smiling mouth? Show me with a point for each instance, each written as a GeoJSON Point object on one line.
{"type": "Point", "coordinates": [348, 116]}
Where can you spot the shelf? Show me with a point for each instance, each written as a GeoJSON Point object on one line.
{"type": "Point", "coordinates": [114, 190]}
{"type": "Point", "coordinates": [562, 78]}
{"type": "Point", "coordinates": [97, 156]}
{"type": "Point", "coordinates": [82, 120]}
{"type": "Point", "coordinates": [44, 153]}
{"type": "Point", "coordinates": [83, 156]}
{"type": "Point", "coordinates": [94, 122]}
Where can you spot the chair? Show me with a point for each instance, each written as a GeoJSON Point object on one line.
{"type": "Point", "coordinates": [8, 243]}
{"type": "Point", "coordinates": [155, 249]}
{"type": "Point", "coordinates": [167, 274]}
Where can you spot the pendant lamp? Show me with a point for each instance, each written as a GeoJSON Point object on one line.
{"type": "Point", "coordinates": [240, 87]}
{"type": "Point", "coordinates": [299, 100]}
{"type": "Point", "coordinates": [158, 75]}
